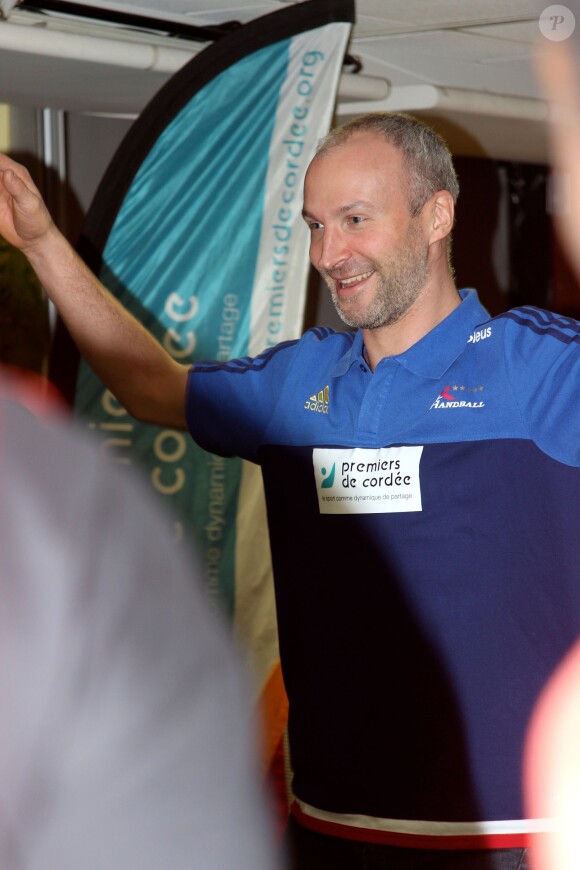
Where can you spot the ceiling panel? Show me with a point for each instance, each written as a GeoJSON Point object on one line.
{"type": "Point", "coordinates": [484, 46]}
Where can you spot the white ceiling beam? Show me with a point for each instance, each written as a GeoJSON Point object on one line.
{"type": "Point", "coordinates": [433, 97]}
{"type": "Point", "coordinates": [142, 55]}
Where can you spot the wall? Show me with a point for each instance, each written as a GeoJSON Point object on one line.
{"type": "Point", "coordinates": [4, 128]}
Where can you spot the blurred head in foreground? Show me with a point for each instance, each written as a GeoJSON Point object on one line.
{"type": "Point", "coordinates": [125, 737]}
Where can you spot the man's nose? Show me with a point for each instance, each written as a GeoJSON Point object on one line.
{"type": "Point", "coordinates": [331, 250]}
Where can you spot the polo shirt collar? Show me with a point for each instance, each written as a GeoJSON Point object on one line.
{"type": "Point", "coordinates": [432, 355]}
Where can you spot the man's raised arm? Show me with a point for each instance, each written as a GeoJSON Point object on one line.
{"type": "Point", "coordinates": [137, 370]}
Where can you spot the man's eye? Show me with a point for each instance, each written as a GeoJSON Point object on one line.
{"type": "Point", "coordinates": [356, 219]}
{"type": "Point", "coordinates": [314, 225]}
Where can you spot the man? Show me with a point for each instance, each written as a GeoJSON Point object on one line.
{"type": "Point", "coordinates": [126, 739]}
{"type": "Point", "coordinates": [422, 513]}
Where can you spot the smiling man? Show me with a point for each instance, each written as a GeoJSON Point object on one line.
{"type": "Point", "coordinates": [422, 510]}
{"type": "Point", "coordinates": [381, 249]}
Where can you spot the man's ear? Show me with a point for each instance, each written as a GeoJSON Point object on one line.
{"type": "Point", "coordinates": [441, 214]}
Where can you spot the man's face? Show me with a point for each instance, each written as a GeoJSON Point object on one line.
{"type": "Point", "coordinates": [371, 253]}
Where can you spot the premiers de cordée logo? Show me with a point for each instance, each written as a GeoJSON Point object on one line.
{"type": "Point", "coordinates": [373, 480]}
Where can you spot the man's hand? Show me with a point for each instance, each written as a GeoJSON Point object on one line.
{"type": "Point", "coordinates": [559, 76]}
{"type": "Point", "coordinates": [138, 371]}
{"type": "Point", "coordinates": [24, 218]}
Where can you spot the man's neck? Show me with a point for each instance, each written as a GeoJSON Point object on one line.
{"type": "Point", "coordinates": [433, 306]}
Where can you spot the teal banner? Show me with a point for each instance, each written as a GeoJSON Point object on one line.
{"type": "Point", "coordinates": [206, 245]}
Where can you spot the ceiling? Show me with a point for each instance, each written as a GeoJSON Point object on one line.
{"type": "Point", "coordinates": [465, 64]}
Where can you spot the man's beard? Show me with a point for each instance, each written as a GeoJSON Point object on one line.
{"type": "Point", "coordinates": [399, 285]}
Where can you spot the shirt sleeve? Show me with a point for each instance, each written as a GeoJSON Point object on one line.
{"type": "Point", "coordinates": [229, 405]}
{"type": "Point", "coordinates": [543, 363]}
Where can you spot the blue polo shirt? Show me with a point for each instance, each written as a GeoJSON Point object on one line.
{"type": "Point", "coordinates": [424, 531]}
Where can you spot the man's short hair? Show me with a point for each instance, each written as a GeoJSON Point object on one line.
{"type": "Point", "coordinates": [427, 158]}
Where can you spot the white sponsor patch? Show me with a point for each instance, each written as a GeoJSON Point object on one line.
{"type": "Point", "coordinates": [367, 481]}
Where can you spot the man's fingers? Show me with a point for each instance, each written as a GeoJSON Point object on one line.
{"type": "Point", "coordinates": [17, 174]}
{"type": "Point", "coordinates": [8, 175]}
{"type": "Point", "coordinates": [25, 201]}
{"type": "Point", "coordinates": [13, 183]}
{"type": "Point", "coordinates": [24, 218]}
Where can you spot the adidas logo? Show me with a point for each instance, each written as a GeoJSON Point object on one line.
{"type": "Point", "coordinates": [318, 402]}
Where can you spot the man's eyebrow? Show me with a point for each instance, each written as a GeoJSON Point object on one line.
{"type": "Point", "coordinates": [346, 208]}
{"type": "Point", "coordinates": [354, 206]}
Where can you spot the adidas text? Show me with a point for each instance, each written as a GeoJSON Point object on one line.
{"type": "Point", "coordinates": [318, 402]}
